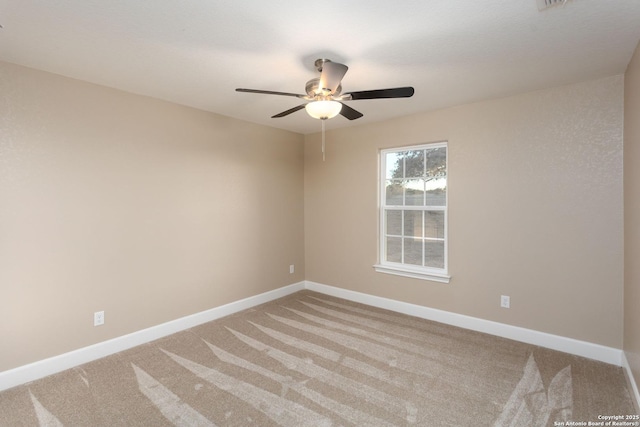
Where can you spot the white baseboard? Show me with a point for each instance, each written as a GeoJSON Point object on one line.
{"type": "Point", "coordinates": [632, 380]}
{"type": "Point", "coordinates": [568, 345]}
{"type": "Point", "coordinates": [52, 365]}
{"type": "Point", "coordinates": [43, 368]}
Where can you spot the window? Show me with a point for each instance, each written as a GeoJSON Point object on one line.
{"type": "Point", "coordinates": [413, 212]}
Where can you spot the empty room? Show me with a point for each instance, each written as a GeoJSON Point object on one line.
{"type": "Point", "coordinates": [293, 213]}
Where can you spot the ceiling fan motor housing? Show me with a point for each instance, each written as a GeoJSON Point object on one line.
{"type": "Point", "coordinates": [313, 89]}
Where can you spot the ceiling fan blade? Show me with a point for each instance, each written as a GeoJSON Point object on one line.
{"type": "Point", "coordinates": [289, 111]}
{"type": "Point", "coordinates": [349, 112]}
{"type": "Point", "coordinates": [270, 92]}
{"type": "Point", "coordinates": [398, 92]}
{"type": "Point", "coordinates": [331, 76]}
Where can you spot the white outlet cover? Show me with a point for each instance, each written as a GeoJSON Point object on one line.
{"type": "Point", "coordinates": [98, 318]}
{"type": "Point", "coordinates": [505, 301]}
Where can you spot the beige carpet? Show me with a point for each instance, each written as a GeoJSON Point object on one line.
{"type": "Point", "coordinates": [313, 360]}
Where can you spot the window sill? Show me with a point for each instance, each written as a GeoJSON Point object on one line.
{"type": "Point", "coordinates": [413, 273]}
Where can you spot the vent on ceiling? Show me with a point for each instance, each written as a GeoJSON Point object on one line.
{"type": "Point", "coordinates": [545, 4]}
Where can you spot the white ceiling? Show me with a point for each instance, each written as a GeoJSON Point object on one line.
{"type": "Point", "coordinates": [197, 52]}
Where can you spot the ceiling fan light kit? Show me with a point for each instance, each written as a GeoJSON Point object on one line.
{"type": "Point", "coordinates": [323, 110]}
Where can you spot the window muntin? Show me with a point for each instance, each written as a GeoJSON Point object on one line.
{"type": "Point", "coordinates": [413, 213]}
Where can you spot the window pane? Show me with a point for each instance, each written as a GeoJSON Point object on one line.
{"type": "Point", "coordinates": [436, 196]}
{"type": "Point", "coordinates": [413, 163]}
{"type": "Point", "coordinates": [394, 194]}
{"type": "Point", "coordinates": [395, 166]}
{"type": "Point", "coordinates": [436, 186]}
{"type": "Point", "coordinates": [414, 192]}
{"type": "Point", "coordinates": [434, 256]}
{"type": "Point", "coordinates": [394, 222]}
{"type": "Point", "coordinates": [413, 251]}
{"type": "Point", "coordinates": [413, 223]}
{"type": "Point", "coordinates": [434, 224]}
{"type": "Point", "coordinates": [394, 249]}
{"type": "Point", "coordinates": [437, 162]}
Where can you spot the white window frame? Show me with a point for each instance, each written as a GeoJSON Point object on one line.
{"type": "Point", "coordinates": [402, 269]}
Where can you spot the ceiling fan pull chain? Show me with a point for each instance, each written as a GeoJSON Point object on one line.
{"type": "Point", "coordinates": [323, 120]}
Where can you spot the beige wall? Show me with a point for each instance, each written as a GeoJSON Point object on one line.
{"type": "Point", "coordinates": [145, 209]}
{"type": "Point", "coordinates": [632, 214]}
{"type": "Point", "coordinates": [152, 211]}
{"type": "Point", "coordinates": [535, 209]}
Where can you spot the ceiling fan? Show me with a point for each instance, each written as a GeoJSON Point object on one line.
{"type": "Point", "coordinates": [325, 97]}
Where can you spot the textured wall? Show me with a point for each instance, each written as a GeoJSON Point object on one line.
{"type": "Point", "coordinates": [632, 214]}
{"type": "Point", "coordinates": [145, 209]}
{"type": "Point", "coordinates": [535, 209]}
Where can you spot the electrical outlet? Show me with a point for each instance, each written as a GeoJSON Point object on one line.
{"type": "Point", "coordinates": [505, 301]}
{"type": "Point", "coordinates": [291, 269]}
{"type": "Point", "coordinates": [98, 318]}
